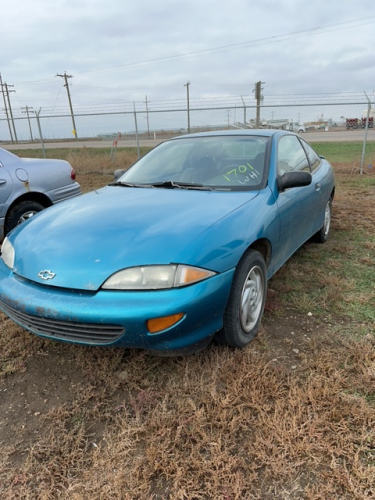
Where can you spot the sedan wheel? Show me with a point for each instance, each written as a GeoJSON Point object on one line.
{"type": "Point", "coordinates": [24, 217]}
{"type": "Point", "coordinates": [322, 235]}
{"type": "Point", "coordinates": [251, 299]}
{"type": "Point", "coordinates": [21, 212]}
{"type": "Point", "coordinates": [245, 306]}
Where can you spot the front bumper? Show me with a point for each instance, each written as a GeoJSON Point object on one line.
{"type": "Point", "coordinates": [203, 306]}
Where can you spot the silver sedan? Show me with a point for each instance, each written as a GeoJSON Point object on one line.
{"type": "Point", "coordinates": [29, 185]}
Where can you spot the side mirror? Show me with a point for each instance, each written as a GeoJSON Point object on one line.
{"type": "Point", "coordinates": [118, 173]}
{"type": "Point", "coordinates": [293, 179]}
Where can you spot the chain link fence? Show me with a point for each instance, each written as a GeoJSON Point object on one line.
{"type": "Point", "coordinates": [335, 129]}
{"type": "Point", "coordinates": [310, 117]}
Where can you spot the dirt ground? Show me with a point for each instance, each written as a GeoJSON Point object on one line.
{"type": "Point", "coordinates": [64, 410]}
{"type": "Point", "coordinates": [49, 378]}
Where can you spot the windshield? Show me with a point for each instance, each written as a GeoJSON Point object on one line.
{"type": "Point", "coordinates": [215, 162]}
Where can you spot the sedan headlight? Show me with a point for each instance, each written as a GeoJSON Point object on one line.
{"type": "Point", "coordinates": [156, 277]}
{"type": "Point", "coordinates": [7, 253]}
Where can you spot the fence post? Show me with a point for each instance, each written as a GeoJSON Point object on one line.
{"type": "Point", "coordinates": [258, 91]}
{"type": "Point", "coordinates": [28, 119]}
{"type": "Point", "coordinates": [244, 112]}
{"type": "Point", "coordinates": [37, 113]}
{"type": "Point", "coordinates": [366, 129]}
{"type": "Point", "coordinates": [188, 105]}
{"type": "Point", "coordinates": [136, 130]}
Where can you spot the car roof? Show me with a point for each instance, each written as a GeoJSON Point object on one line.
{"type": "Point", "coordinates": [243, 132]}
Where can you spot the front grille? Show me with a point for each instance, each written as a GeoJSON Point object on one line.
{"type": "Point", "coordinates": [88, 333]}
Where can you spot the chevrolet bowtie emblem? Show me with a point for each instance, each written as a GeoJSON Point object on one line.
{"type": "Point", "coordinates": [46, 275]}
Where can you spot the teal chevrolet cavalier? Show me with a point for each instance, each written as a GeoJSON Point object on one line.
{"type": "Point", "coordinates": [176, 251]}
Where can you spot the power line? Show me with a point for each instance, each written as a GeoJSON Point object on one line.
{"type": "Point", "coordinates": [234, 46]}
{"type": "Point", "coordinates": [127, 88]}
{"type": "Point", "coordinates": [318, 30]}
{"type": "Point", "coordinates": [221, 100]}
{"type": "Point", "coordinates": [260, 41]}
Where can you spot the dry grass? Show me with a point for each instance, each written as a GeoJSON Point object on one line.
{"type": "Point", "coordinates": [221, 424]}
{"type": "Point", "coordinates": [337, 279]}
{"type": "Point", "coordinates": [94, 166]}
{"type": "Point", "coordinates": [292, 416]}
{"type": "Point", "coordinates": [91, 161]}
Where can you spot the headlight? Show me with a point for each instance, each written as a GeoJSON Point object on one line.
{"type": "Point", "coordinates": [7, 253]}
{"type": "Point", "coordinates": [156, 277]}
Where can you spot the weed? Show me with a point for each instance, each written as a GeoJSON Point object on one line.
{"type": "Point", "coordinates": [292, 416]}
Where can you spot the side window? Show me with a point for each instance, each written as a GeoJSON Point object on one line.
{"type": "Point", "coordinates": [315, 161]}
{"type": "Point", "coordinates": [290, 155]}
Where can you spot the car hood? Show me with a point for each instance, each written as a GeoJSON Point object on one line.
{"type": "Point", "coordinates": [85, 240]}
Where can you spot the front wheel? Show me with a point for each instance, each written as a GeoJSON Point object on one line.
{"type": "Point", "coordinates": [322, 235]}
{"type": "Point", "coordinates": [21, 212]}
{"type": "Point", "coordinates": [245, 306]}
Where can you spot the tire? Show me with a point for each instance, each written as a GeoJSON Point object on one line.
{"type": "Point", "coordinates": [21, 212]}
{"type": "Point", "coordinates": [249, 289]}
{"type": "Point", "coordinates": [322, 235]}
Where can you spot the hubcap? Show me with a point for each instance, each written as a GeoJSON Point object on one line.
{"type": "Point", "coordinates": [24, 217]}
{"type": "Point", "coordinates": [251, 299]}
{"type": "Point", "coordinates": [327, 219]}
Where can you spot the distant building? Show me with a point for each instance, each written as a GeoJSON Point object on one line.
{"type": "Point", "coordinates": [372, 113]}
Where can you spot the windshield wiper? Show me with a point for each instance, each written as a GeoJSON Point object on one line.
{"type": "Point", "coordinates": [164, 184]}
{"type": "Point", "coordinates": [181, 185]}
{"type": "Point", "coordinates": [129, 184]}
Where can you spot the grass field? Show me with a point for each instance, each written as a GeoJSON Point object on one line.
{"type": "Point", "coordinates": [345, 152]}
{"type": "Point", "coordinates": [292, 416]}
{"type": "Point", "coordinates": [100, 158]}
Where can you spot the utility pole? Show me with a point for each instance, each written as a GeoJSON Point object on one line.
{"type": "Point", "coordinates": [259, 98]}
{"type": "Point", "coordinates": [7, 92]}
{"type": "Point", "coordinates": [188, 105]}
{"type": "Point", "coordinates": [5, 108]}
{"type": "Point", "coordinates": [148, 125]}
{"type": "Point", "coordinates": [28, 119]}
{"type": "Point", "coordinates": [65, 76]}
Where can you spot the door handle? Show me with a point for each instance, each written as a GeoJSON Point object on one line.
{"type": "Point", "coordinates": [317, 186]}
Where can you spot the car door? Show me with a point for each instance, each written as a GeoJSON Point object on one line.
{"type": "Point", "coordinates": [297, 206]}
{"type": "Point", "coordinates": [6, 186]}
{"type": "Point", "coordinates": [322, 182]}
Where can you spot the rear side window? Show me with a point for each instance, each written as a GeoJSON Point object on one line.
{"type": "Point", "coordinates": [291, 156]}
{"type": "Point", "coordinates": [314, 158]}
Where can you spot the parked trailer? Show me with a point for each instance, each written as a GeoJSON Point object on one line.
{"type": "Point", "coordinates": [352, 123]}
{"type": "Point", "coordinates": [370, 122]}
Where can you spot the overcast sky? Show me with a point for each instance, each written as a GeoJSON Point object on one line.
{"type": "Point", "coordinates": [120, 51]}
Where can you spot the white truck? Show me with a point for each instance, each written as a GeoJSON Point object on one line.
{"type": "Point", "coordinates": [295, 127]}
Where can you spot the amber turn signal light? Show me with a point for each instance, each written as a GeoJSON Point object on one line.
{"type": "Point", "coordinates": [155, 325]}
